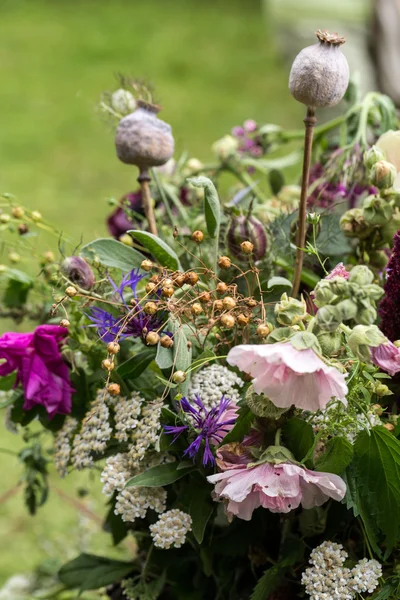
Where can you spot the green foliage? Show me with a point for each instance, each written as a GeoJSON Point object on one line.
{"type": "Point", "coordinates": [179, 356]}
{"type": "Point", "coordinates": [331, 240]}
{"type": "Point", "coordinates": [135, 365]}
{"type": "Point", "coordinates": [201, 508]}
{"type": "Point", "coordinates": [376, 472]}
{"type": "Point", "coordinates": [242, 426]}
{"type": "Point", "coordinates": [159, 249]}
{"type": "Point", "coordinates": [276, 181]}
{"type": "Point", "coordinates": [111, 253]}
{"type": "Point", "coordinates": [299, 437]}
{"type": "Point", "coordinates": [115, 525]}
{"type": "Point", "coordinates": [160, 475]}
{"type": "Point", "coordinates": [90, 572]}
{"type": "Point", "coordinates": [34, 477]}
{"type": "Point", "coordinates": [337, 456]}
{"type": "Point", "coordinates": [18, 286]}
{"type": "Point", "coordinates": [212, 208]}
{"type": "Point", "coordinates": [268, 583]}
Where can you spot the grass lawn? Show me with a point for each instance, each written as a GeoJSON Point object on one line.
{"type": "Point", "coordinates": [214, 65]}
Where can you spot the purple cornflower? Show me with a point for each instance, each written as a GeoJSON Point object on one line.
{"type": "Point", "coordinates": [389, 307]}
{"type": "Point", "coordinates": [210, 426]}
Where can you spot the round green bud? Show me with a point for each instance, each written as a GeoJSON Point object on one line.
{"type": "Point", "coordinates": [363, 338]}
{"type": "Point", "coordinates": [328, 318]}
{"type": "Point", "coordinates": [361, 275]}
{"type": "Point", "coordinates": [383, 174]}
{"type": "Point", "coordinates": [372, 156]}
{"type": "Point", "coordinates": [348, 309]}
{"type": "Point", "coordinates": [353, 224]}
{"type": "Point", "coordinates": [324, 294]}
{"type": "Point", "coordinates": [376, 210]}
{"type": "Point", "coordinates": [290, 311]}
{"type": "Point", "coordinates": [330, 342]}
{"type": "Point", "coordinates": [366, 316]}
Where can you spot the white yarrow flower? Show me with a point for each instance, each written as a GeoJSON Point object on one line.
{"type": "Point", "coordinates": [171, 528]}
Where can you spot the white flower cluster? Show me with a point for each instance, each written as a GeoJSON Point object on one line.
{"type": "Point", "coordinates": [133, 503]}
{"type": "Point", "coordinates": [328, 579]}
{"type": "Point", "coordinates": [212, 382]}
{"type": "Point", "coordinates": [115, 474]}
{"type": "Point", "coordinates": [17, 587]}
{"type": "Point", "coordinates": [171, 529]}
{"type": "Point", "coordinates": [126, 413]}
{"type": "Point", "coordinates": [147, 432]}
{"type": "Point", "coordinates": [93, 436]}
{"type": "Point", "coordinates": [62, 445]}
{"type": "Point", "coordinates": [337, 420]}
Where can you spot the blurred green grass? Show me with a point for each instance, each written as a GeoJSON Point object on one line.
{"type": "Point", "coordinates": [214, 65]}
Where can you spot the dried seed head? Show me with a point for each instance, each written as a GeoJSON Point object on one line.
{"type": "Point", "coordinates": [152, 338]}
{"type": "Point", "coordinates": [247, 247]}
{"type": "Point", "coordinates": [17, 212]}
{"type": "Point", "coordinates": [205, 297]}
{"type": "Point", "coordinates": [167, 291]}
{"type": "Point", "coordinates": [228, 321]}
{"type": "Point", "coordinates": [179, 377]}
{"type": "Point", "coordinates": [320, 73]}
{"type": "Point", "coordinates": [229, 303]}
{"type": "Point", "coordinates": [224, 262]}
{"type": "Point", "coordinates": [23, 228]}
{"type": "Point", "coordinates": [65, 323]}
{"type": "Point", "coordinates": [166, 341]}
{"type": "Point", "coordinates": [150, 308]}
{"type": "Point", "coordinates": [242, 320]}
{"type": "Point", "coordinates": [263, 330]}
{"type": "Point", "coordinates": [191, 278]}
{"type": "Point", "coordinates": [251, 302]}
{"type": "Point", "coordinates": [198, 236]}
{"type": "Point", "coordinates": [221, 288]}
{"type": "Point", "coordinates": [113, 389]}
{"type": "Point", "coordinates": [168, 281]}
{"type": "Point", "coordinates": [389, 426]}
{"type": "Point", "coordinates": [71, 291]}
{"type": "Point", "coordinates": [108, 364]}
{"type": "Point", "coordinates": [218, 305]}
{"type": "Point", "coordinates": [179, 279]}
{"type": "Point", "coordinates": [146, 265]}
{"type": "Point", "coordinates": [113, 348]}
{"type": "Point", "coordinates": [196, 309]}
{"type": "Point", "coordinates": [151, 287]}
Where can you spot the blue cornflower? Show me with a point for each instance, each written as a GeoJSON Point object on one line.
{"type": "Point", "coordinates": [107, 324]}
{"type": "Point", "coordinates": [211, 426]}
{"type": "Point", "coordinates": [129, 280]}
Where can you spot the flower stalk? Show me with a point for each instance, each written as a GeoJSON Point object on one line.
{"type": "Point", "coordinates": [144, 180]}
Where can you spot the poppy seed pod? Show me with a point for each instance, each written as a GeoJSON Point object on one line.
{"type": "Point", "coordinates": [78, 271]}
{"type": "Point", "coordinates": [320, 73]}
{"type": "Point", "coordinates": [250, 229]}
{"type": "Point", "coordinates": [144, 140]}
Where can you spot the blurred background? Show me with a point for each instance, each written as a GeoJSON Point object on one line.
{"type": "Point", "coordinates": [214, 63]}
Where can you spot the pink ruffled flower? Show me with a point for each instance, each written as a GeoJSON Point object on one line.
{"type": "Point", "coordinates": [339, 271]}
{"type": "Point", "coordinates": [288, 376]}
{"type": "Point", "coordinates": [387, 357]}
{"type": "Point", "coordinates": [40, 367]}
{"type": "Point", "coordinates": [279, 488]}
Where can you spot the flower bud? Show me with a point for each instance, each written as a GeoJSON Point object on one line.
{"type": "Point", "coordinates": [390, 228]}
{"type": "Point", "coordinates": [304, 340]}
{"type": "Point", "coordinates": [347, 309]}
{"type": "Point", "coordinates": [361, 275]}
{"type": "Point", "coordinates": [23, 228]}
{"type": "Point", "coordinates": [114, 389]}
{"type": "Point", "coordinates": [144, 140]}
{"type": "Point", "coordinates": [179, 377]}
{"type": "Point", "coordinates": [328, 318]}
{"type": "Point", "coordinates": [65, 323]}
{"type": "Point", "coordinates": [194, 165]}
{"type": "Point", "coordinates": [126, 239]}
{"type": "Point", "coordinates": [224, 262]}
{"type": "Point", "coordinates": [4, 218]}
{"type": "Point", "coordinates": [366, 315]}
{"type": "Point", "coordinates": [290, 311]}
{"type": "Point", "coordinates": [77, 270]}
{"type": "Point", "coordinates": [373, 292]}
{"type": "Point", "coordinates": [108, 364]}
{"type": "Point", "coordinates": [146, 265]}
{"type": "Point", "coordinates": [123, 102]}
{"type": "Point", "coordinates": [262, 406]}
{"type": "Point", "coordinates": [383, 174]}
{"type": "Point", "coordinates": [36, 216]}
{"type": "Point", "coordinates": [376, 210]}
{"type": "Point", "coordinates": [226, 147]}
{"type": "Point", "coordinates": [353, 224]}
{"type": "Point", "coordinates": [330, 342]}
{"type": "Point", "coordinates": [363, 338]}
{"type": "Point", "coordinates": [14, 257]}
{"type": "Point", "coordinates": [381, 390]}
{"type": "Point", "coordinates": [197, 236]}
{"type": "Point", "coordinates": [71, 291]}
{"type": "Point", "coordinates": [113, 348]}
{"type": "Point", "coordinates": [313, 218]}
{"type": "Point", "coordinates": [320, 74]}
{"type": "Point", "coordinates": [244, 229]}
{"type": "Point", "coordinates": [152, 338]}
{"type": "Point", "coordinates": [372, 156]}
{"type": "Point", "coordinates": [263, 330]}
{"type": "Point", "coordinates": [17, 212]}
{"type": "Point", "coordinates": [323, 293]}
{"type": "Point", "coordinates": [228, 321]}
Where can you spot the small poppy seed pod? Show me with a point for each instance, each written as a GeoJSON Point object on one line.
{"type": "Point", "coordinates": [152, 338]}
{"type": "Point", "coordinates": [221, 288]}
{"type": "Point", "coordinates": [198, 236]}
{"type": "Point", "coordinates": [218, 306]}
{"type": "Point", "coordinates": [17, 212]}
{"type": "Point", "coordinates": [144, 140]}
{"type": "Point", "coordinates": [146, 265]}
{"type": "Point", "coordinates": [36, 216]}
{"type": "Point", "coordinates": [166, 341]}
{"type": "Point", "coordinates": [179, 377]}
{"type": "Point", "coordinates": [23, 228]}
{"type": "Point", "coordinates": [242, 320]}
{"type": "Point", "coordinates": [167, 291]}
{"type": "Point", "coordinates": [71, 291]}
{"type": "Point", "coordinates": [113, 348]}
{"type": "Point", "coordinates": [263, 330]}
{"type": "Point", "coordinates": [114, 389]}
{"type": "Point", "coordinates": [247, 230]}
{"type": "Point", "coordinates": [228, 321]}
{"type": "Point", "coordinates": [229, 303]}
{"type": "Point", "coordinates": [108, 364]}
{"type": "Point", "coordinates": [196, 309]}
{"type": "Point", "coordinates": [150, 308]}
{"type": "Point", "coordinates": [65, 323]}
{"type": "Point", "coordinates": [78, 271]}
{"type": "Point", "coordinates": [191, 278]}
{"type": "Point", "coordinates": [224, 262]}
{"type": "Point", "coordinates": [320, 73]}
{"type": "Point", "coordinates": [151, 287]}
{"type": "Point", "coordinates": [205, 297]}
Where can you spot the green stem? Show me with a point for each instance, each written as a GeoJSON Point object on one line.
{"type": "Point", "coordinates": [163, 196]}
{"type": "Point", "coordinates": [278, 437]}
{"type": "Point", "coordinates": [307, 276]}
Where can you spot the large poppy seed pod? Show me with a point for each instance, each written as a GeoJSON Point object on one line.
{"type": "Point", "coordinates": [144, 140]}
{"type": "Point", "coordinates": [320, 73]}
{"type": "Point", "coordinates": [242, 229]}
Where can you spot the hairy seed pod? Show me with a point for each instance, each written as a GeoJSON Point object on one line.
{"type": "Point", "coordinates": [320, 73]}
{"type": "Point", "coordinates": [113, 347]}
{"type": "Point", "coordinates": [144, 140]}
{"type": "Point", "coordinates": [113, 389]}
{"type": "Point", "coordinates": [247, 230]}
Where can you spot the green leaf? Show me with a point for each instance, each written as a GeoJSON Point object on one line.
{"type": "Point", "coordinates": [115, 525]}
{"type": "Point", "coordinates": [134, 366]}
{"type": "Point", "coordinates": [279, 282]}
{"type": "Point", "coordinates": [111, 253]}
{"type": "Point", "coordinates": [7, 383]}
{"type": "Point", "coordinates": [90, 572]}
{"type": "Point", "coordinates": [159, 475]}
{"type": "Point", "coordinates": [200, 509]}
{"type": "Point", "coordinates": [268, 583]}
{"type": "Point", "coordinates": [159, 249]}
{"type": "Point", "coordinates": [212, 207]}
{"type": "Point", "coordinates": [331, 240]}
{"type": "Point", "coordinates": [377, 482]}
{"type": "Point", "coordinates": [299, 437]}
{"type": "Point", "coordinates": [242, 426]}
{"type": "Point", "coordinates": [179, 356]}
{"type": "Point", "coordinates": [18, 287]}
{"type": "Point", "coordinates": [337, 456]}
{"type": "Point", "coordinates": [276, 181]}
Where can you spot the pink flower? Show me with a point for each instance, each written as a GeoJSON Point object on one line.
{"type": "Point", "coordinates": [387, 357]}
{"type": "Point", "coordinates": [339, 271]}
{"type": "Point", "coordinates": [288, 376]}
{"type": "Point", "coordinates": [40, 367]}
{"type": "Point", "coordinates": [280, 488]}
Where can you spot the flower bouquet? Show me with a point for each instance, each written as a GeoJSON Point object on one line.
{"type": "Point", "coordinates": [226, 362]}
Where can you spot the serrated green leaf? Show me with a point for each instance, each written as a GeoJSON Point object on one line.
{"type": "Point", "coordinates": [242, 426]}
{"type": "Point", "coordinates": [159, 475]}
{"type": "Point", "coordinates": [377, 480]}
{"type": "Point", "coordinates": [90, 572]}
{"type": "Point", "coordinates": [267, 583]}
{"type": "Point", "coordinates": [135, 365]}
{"type": "Point", "coordinates": [337, 456]}
{"type": "Point", "coordinates": [212, 207]}
{"type": "Point", "coordinates": [159, 249]}
{"type": "Point", "coordinates": [299, 437]}
{"type": "Point", "coordinates": [111, 253]}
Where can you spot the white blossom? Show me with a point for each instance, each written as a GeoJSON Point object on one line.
{"type": "Point", "coordinates": [213, 382]}
{"type": "Point", "coordinates": [126, 413]}
{"type": "Point", "coordinates": [171, 529]}
{"type": "Point", "coordinates": [93, 436]}
{"type": "Point", "coordinates": [366, 576]}
{"type": "Point", "coordinates": [62, 445]}
{"type": "Point", "coordinates": [115, 474]}
{"type": "Point", "coordinates": [133, 503]}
